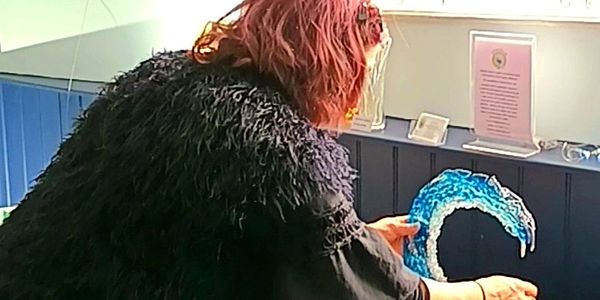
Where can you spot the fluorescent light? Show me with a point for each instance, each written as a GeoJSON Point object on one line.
{"type": "Point", "coordinates": [532, 9]}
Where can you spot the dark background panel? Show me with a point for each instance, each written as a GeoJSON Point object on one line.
{"type": "Point", "coordinates": [584, 234]}
{"type": "Point", "coordinates": [414, 171]}
{"type": "Point", "coordinates": [457, 254]}
{"type": "Point", "coordinates": [544, 193]}
{"type": "Point", "coordinates": [376, 179]}
{"type": "Point", "coordinates": [497, 252]}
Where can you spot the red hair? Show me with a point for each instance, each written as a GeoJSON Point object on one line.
{"type": "Point", "coordinates": [316, 49]}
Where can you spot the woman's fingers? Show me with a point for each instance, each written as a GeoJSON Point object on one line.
{"type": "Point", "coordinates": [394, 230]}
{"type": "Point", "coordinates": [406, 229]}
{"type": "Point", "coordinates": [528, 288]}
{"type": "Point", "coordinates": [398, 246]}
{"type": "Point", "coordinates": [402, 228]}
{"type": "Point", "coordinates": [401, 219]}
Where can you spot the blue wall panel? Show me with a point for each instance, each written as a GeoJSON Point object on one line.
{"type": "Point", "coordinates": [15, 144]}
{"type": "Point", "coordinates": [33, 122]}
{"type": "Point", "coordinates": [85, 100]}
{"type": "Point", "coordinates": [69, 110]}
{"type": "Point", "coordinates": [32, 134]}
{"type": "Point", "coordinates": [50, 123]}
{"type": "Point", "coordinates": [4, 186]}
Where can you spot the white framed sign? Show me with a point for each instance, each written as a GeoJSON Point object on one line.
{"type": "Point", "coordinates": [502, 93]}
{"type": "Point", "coordinates": [361, 123]}
{"type": "Point", "coordinates": [430, 129]}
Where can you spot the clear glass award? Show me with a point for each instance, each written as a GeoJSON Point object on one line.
{"type": "Point", "coordinates": [370, 114]}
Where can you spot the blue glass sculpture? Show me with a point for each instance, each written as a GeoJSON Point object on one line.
{"type": "Point", "coordinates": [462, 189]}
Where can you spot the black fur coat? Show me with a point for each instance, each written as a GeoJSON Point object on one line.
{"type": "Point", "coordinates": [184, 181]}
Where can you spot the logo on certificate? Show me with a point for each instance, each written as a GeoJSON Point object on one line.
{"type": "Point", "coordinates": [499, 58]}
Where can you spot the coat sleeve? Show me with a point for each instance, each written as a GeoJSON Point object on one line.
{"type": "Point", "coordinates": [324, 251]}
{"type": "Point", "coordinates": [348, 261]}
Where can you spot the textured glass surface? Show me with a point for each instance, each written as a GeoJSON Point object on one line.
{"type": "Point", "coordinates": [371, 102]}
{"type": "Point", "coordinates": [462, 189]}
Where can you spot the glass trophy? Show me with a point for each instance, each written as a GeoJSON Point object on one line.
{"type": "Point", "coordinates": [370, 106]}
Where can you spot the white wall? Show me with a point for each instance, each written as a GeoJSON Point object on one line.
{"type": "Point", "coordinates": [39, 37]}
{"type": "Point", "coordinates": [428, 70]}
{"type": "Point", "coordinates": [581, 10]}
{"type": "Point", "coordinates": [102, 54]}
{"type": "Point", "coordinates": [29, 22]}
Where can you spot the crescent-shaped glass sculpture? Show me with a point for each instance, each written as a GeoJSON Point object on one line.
{"type": "Point", "coordinates": [462, 189]}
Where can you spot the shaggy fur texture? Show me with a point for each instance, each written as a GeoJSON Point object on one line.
{"type": "Point", "coordinates": [181, 181]}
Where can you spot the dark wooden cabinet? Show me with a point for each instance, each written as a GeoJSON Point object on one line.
{"type": "Point", "coordinates": [583, 235]}
{"type": "Point", "coordinates": [545, 192]}
{"type": "Point", "coordinates": [564, 201]}
{"type": "Point", "coordinates": [414, 170]}
{"type": "Point", "coordinates": [456, 252]}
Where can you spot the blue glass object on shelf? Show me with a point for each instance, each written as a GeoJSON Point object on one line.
{"type": "Point", "coordinates": [462, 189]}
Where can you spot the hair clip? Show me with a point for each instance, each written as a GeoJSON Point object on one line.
{"type": "Point", "coordinates": [363, 12]}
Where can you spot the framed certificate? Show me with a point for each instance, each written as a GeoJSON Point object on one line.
{"type": "Point", "coordinates": [502, 93]}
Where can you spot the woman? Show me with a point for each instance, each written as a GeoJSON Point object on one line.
{"type": "Point", "coordinates": [206, 175]}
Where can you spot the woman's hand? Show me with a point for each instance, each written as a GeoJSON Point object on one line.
{"type": "Point", "coordinates": [394, 230]}
{"type": "Point", "coordinates": [488, 288]}
{"type": "Point", "coordinates": [502, 287]}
